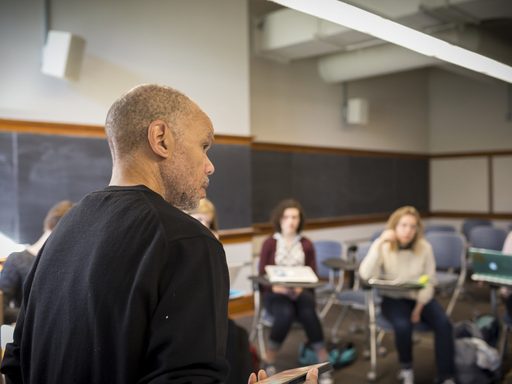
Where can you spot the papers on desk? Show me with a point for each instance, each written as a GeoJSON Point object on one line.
{"type": "Point", "coordinates": [286, 274]}
{"type": "Point", "coordinates": [236, 293]}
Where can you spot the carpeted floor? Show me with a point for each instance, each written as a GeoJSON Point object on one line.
{"type": "Point", "coordinates": [474, 301]}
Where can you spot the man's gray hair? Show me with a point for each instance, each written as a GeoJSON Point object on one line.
{"type": "Point", "coordinates": [129, 117]}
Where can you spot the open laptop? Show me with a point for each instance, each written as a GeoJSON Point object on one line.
{"type": "Point", "coordinates": [285, 274]}
{"type": "Point", "coordinates": [491, 266]}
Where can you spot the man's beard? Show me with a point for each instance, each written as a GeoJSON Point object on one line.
{"type": "Point", "coordinates": [178, 190]}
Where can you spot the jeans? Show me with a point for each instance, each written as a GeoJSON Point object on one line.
{"type": "Point", "coordinates": [398, 313]}
{"type": "Point", "coordinates": [286, 310]}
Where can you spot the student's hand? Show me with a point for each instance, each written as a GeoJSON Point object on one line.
{"type": "Point", "coordinates": [280, 289]}
{"type": "Point", "coordinates": [388, 235]}
{"type": "Point", "coordinates": [416, 313]}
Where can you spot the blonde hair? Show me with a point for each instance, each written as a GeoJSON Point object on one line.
{"type": "Point", "coordinates": [395, 218]}
{"type": "Point", "coordinates": [206, 207]}
{"type": "Point", "coordinates": [55, 214]}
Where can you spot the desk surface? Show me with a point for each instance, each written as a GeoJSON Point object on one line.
{"type": "Point", "coordinates": [393, 286]}
{"type": "Point", "coordinates": [493, 280]}
{"type": "Point", "coordinates": [263, 280]}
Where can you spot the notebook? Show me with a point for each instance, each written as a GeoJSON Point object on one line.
{"type": "Point", "coordinates": [491, 266]}
{"type": "Point", "coordinates": [286, 274]}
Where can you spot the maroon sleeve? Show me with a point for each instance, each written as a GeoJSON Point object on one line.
{"type": "Point", "coordinates": [309, 253]}
{"type": "Point", "coordinates": [267, 255]}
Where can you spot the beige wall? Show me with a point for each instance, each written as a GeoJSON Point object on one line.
{"type": "Point", "coordinates": [200, 47]}
{"type": "Point", "coordinates": [468, 114]}
{"type": "Point", "coordinates": [291, 104]}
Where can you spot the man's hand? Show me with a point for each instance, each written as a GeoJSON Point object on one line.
{"type": "Point", "coordinates": [311, 377]}
{"type": "Point", "coordinates": [261, 375]}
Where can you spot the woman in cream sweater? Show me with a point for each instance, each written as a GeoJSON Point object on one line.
{"type": "Point", "coordinates": [402, 253]}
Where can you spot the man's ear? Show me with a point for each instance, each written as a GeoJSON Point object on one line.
{"type": "Point", "coordinates": [160, 138]}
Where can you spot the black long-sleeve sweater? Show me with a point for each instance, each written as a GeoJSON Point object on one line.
{"type": "Point", "coordinates": [127, 289]}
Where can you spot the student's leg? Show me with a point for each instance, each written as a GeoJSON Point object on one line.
{"type": "Point", "coordinates": [283, 311]}
{"type": "Point", "coordinates": [434, 315]}
{"type": "Point", "coordinates": [398, 313]}
{"type": "Point", "coordinates": [307, 316]}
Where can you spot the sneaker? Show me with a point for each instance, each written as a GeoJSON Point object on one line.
{"type": "Point", "coordinates": [325, 378]}
{"type": "Point", "coordinates": [307, 355]}
{"type": "Point", "coordinates": [406, 376]}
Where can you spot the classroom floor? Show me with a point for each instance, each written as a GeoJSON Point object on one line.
{"type": "Point", "coordinates": [474, 301]}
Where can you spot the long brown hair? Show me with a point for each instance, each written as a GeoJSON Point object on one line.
{"type": "Point", "coordinates": [395, 218]}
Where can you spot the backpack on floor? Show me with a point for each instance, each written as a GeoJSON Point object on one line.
{"type": "Point", "coordinates": [476, 362]}
{"type": "Point", "coordinates": [340, 355]}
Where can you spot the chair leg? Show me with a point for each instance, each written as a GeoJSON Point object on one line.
{"type": "Point", "coordinates": [372, 374]}
{"type": "Point", "coordinates": [337, 323]}
{"type": "Point", "coordinates": [261, 341]}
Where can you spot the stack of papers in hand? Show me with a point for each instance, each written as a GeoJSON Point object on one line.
{"type": "Point", "coordinates": [284, 274]}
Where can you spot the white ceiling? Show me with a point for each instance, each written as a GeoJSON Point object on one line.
{"type": "Point", "coordinates": [484, 26]}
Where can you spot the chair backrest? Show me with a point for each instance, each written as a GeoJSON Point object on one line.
{"type": "Point", "coordinates": [362, 251]}
{"type": "Point", "coordinates": [469, 224]}
{"type": "Point", "coordinates": [487, 237]}
{"type": "Point", "coordinates": [439, 228]}
{"type": "Point", "coordinates": [326, 249]}
{"type": "Point", "coordinates": [376, 234]}
{"type": "Point", "coordinates": [449, 249]}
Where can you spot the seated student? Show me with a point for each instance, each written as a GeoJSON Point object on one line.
{"type": "Point", "coordinates": [401, 252]}
{"type": "Point", "coordinates": [18, 264]}
{"type": "Point", "coordinates": [288, 247]}
{"type": "Point", "coordinates": [206, 213]}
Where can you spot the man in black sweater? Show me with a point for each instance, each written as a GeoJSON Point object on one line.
{"type": "Point", "coordinates": [128, 288]}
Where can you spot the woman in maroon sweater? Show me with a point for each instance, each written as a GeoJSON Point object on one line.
{"type": "Point", "coordinates": [288, 247]}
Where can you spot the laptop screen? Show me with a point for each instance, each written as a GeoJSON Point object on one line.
{"type": "Point", "coordinates": [489, 262]}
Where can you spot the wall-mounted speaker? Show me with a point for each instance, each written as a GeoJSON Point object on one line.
{"type": "Point", "coordinates": [62, 55]}
{"type": "Point", "coordinates": [357, 111]}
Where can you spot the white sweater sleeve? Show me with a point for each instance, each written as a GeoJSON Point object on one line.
{"type": "Point", "coordinates": [426, 294]}
{"type": "Point", "coordinates": [371, 264]}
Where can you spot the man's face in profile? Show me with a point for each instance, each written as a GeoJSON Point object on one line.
{"type": "Point", "coordinates": [186, 172]}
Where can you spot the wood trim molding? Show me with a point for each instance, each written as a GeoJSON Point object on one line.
{"type": "Point", "coordinates": [237, 235]}
{"type": "Point", "coordinates": [233, 140]}
{"type": "Point", "coordinates": [261, 146]}
{"type": "Point", "coordinates": [472, 215]}
{"type": "Point", "coordinates": [470, 154]}
{"type": "Point", "coordinates": [43, 128]}
{"type": "Point", "coordinates": [329, 222]}
{"type": "Point", "coordinates": [71, 129]}
{"type": "Point", "coordinates": [67, 129]}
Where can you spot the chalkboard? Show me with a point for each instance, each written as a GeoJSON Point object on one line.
{"type": "Point", "coordinates": [8, 200]}
{"type": "Point", "coordinates": [230, 185]}
{"type": "Point", "coordinates": [331, 185]}
{"type": "Point", "coordinates": [36, 171]}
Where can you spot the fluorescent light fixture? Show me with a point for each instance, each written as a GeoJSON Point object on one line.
{"type": "Point", "coordinates": [360, 20]}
